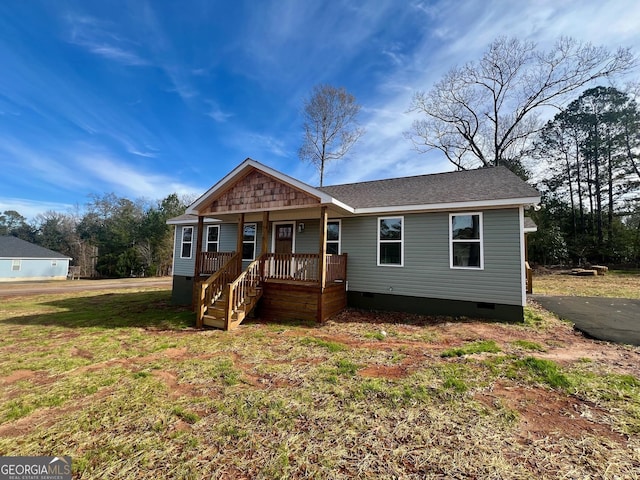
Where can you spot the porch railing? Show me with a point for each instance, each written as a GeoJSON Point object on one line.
{"type": "Point", "coordinates": [211, 262]}
{"type": "Point", "coordinates": [302, 267]}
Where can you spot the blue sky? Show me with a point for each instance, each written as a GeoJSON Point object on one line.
{"type": "Point", "coordinates": [145, 98]}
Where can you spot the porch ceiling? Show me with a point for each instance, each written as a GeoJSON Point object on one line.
{"type": "Point", "coordinates": [307, 213]}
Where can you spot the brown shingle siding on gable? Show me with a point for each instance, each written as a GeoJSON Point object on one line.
{"type": "Point", "coordinates": [484, 184]}
{"type": "Point", "coordinates": [258, 191]}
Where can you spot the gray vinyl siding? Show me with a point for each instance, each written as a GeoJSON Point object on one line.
{"type": "Point", "coordinates": [308, 241]}
{"type": "Point", "coordinates": [184, 266]}
{"type": "Point", "coordinates": [227, 243]}
{"type": "Point", "coordinates": [426, 271]}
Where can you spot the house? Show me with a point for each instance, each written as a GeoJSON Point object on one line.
{"type": "Point", "coordinates": [443, 244]}
{"type": "Point", "coordinates": [23, 261]}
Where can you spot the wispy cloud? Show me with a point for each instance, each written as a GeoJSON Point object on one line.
{"type": "Point", "coordinates": [98, 37]}
{"type": "Point", "coordinates": [217, 114]}
{"type": "Point", "coordinates": [31, 208]}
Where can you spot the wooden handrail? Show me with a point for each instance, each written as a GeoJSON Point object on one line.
{"type": "Point", "coordinates": [211, 262]}
{"type": "Point", "coordinates": [213, 287]}
{"type": "Point", "coordinates": [239, 289]}
{"type": "Point", "coordinates": [529, 273]}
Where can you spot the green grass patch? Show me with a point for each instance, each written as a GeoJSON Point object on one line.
{"type": "Point", "coordinates": [488, 346]}
{"type": "Point", "coordinates": [333, 347]}
{"type": "Point", "coordinates": [542, 371]}
{"type": "Point", "coordinates": [255, 403]}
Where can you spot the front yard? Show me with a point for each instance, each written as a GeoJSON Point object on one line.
{"type": "Point", "coordinates": [121, 382]}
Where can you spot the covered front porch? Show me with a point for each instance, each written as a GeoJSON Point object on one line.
{"type": "Point", "coordinates": [286, 263]}
{"type": "Point", "coordinates": [279, 286]}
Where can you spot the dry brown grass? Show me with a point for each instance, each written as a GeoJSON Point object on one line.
{"type": "Point", "coordinates": [121, 383]}
{"type": "Point", "coordinates": [615, 284]}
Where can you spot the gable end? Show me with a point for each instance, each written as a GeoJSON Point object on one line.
{"type": "Point", "coordinates": [258, 191]}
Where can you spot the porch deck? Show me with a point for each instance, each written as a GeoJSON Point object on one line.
{"type": "Point", "coordinates": [281, 286]}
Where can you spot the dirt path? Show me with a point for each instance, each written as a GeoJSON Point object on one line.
{"type": "Point", "coordinates": [67, 286]}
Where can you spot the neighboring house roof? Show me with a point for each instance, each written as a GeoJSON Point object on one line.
{"type": "Point", "coordinates": [494, 184]}
{"type": "Point", "coordinates": [13, 247]}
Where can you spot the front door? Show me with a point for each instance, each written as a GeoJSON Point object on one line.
{"type": "Point", "coordinates": [284, 238]}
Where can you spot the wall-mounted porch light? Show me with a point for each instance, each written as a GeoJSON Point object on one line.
{"type": "Point", "coordinates": [300, 227]}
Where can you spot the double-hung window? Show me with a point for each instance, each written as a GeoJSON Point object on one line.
{"type": "Point", "coordinates": [391, 241]}
{"type": "Point", "coordinates": [213, 238]}
{"type": "Point", "coordinates": [465, 246]}
{"type": "Point", "coordinates": [187, 242]}
{"type": "Point", "coordinates": [333, 237]}
{"type": "Point", "coordinates": [15, 265]}
{"type": "Point", "coordinates": [249, 242]}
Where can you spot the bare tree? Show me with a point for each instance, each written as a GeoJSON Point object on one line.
{"type": "Point", "coordinates": [484, 113]}
{"type": "Point", "coordinates": [330, 126]}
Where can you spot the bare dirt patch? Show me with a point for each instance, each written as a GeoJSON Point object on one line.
{"type": "Point", "coordinates": [16, 376]}
{"type": "Point", "coordinates": [543, 413]}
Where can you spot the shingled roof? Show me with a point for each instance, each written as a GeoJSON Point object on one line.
{"type": "Point", "coordinates": [13, 247]}
{"type": "Point", "coordinates": [485, 184]}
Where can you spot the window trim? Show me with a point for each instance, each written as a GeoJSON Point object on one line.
{"type": "Point", "coordinates": [183, 242]}
{"type": "Point", "coordinates": [401, 241]}
{"type": "Point", "coordinates": [217, 242]}
{"type": "Point", "coordinates": [16, 263]}
{"type": "Point", "coordinates": [339, 241]}
{"type": "Point", "coordinates": [255, 238]}
{"type": "Point", "coordinates": [479, 240]}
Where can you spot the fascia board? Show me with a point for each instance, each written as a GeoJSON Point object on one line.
{"type": "Point", "coordinates": [193, 221]}
{"type": "Point", "coordinates": [480, 204]}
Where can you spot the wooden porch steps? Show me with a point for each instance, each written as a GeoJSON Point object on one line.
{"type": "Point", "coordinates": [216, 313]}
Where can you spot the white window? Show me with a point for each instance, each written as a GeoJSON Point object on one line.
{"type": "Point", "coordinates": [333, 237]}
{"type": "Point", "coordinates": [15, 265]}
{"type": "Point", "coordinates": [187, 242]}
{"type": "Point", "coordinates": [249, 242]}
{"type": "Point", "coordinates": [213, 238]}
{"type": "Point", "coordinates": [54, 263]}
{"type": "Point", "coordinates": [391, 241]}
{"type": "Point", "coordinates": [465, 246]}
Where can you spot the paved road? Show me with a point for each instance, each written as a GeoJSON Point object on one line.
{"type": "Point", "coordinates": [612, 319]}
{"type": "Point", "coordinates": [65, 286]}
